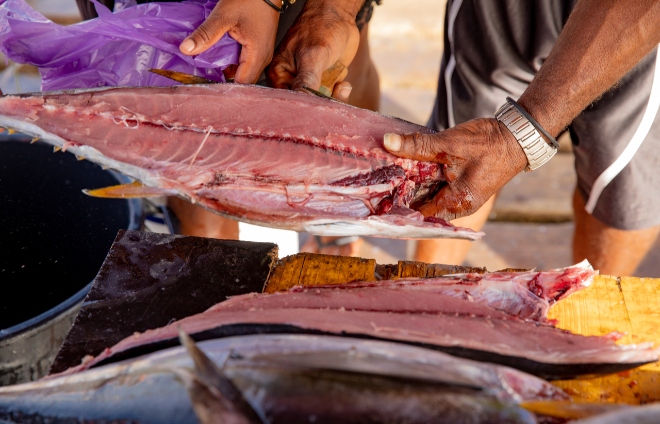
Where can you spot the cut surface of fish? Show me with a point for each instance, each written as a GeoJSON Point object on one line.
{"type": "Point", "coordinates": [454, 325]}
{"type": "Point", "coordinates": [526, 295]}
{"type": "Point", "coordinates": [288, 378]}
{"type": "Point", "coordinates": [271, 157]}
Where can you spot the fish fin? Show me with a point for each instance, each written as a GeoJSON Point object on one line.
{"type": "Point", "coordinates": [11, 131]}
{"type": "Point", "coordinates": [56, 149]}
{"type": "Point", "coordinates": [182, 77]}
{"type": "Point", "coordinates": [78, 157]}
{"type": "Point", "coordinates": [207, 403]}
{"type": "Point", "coordinates": [34, 140]}
{"type": "Point", "coordinates": [212, 376]}
{"type": "Point", "coordinates": [128, 191]}
{"type": "Point", "coordinates": [570, 410]}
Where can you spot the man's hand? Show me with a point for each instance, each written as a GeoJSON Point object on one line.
{"type": "Point", "coordinates": [480, 156]}
{"type": "Point", "coordinates": [252, 23]}
{"type": "Point", "coordinates": [324, 33]}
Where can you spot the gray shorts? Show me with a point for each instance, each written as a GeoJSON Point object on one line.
{"type": "Point", "coordinates": [494, 48]}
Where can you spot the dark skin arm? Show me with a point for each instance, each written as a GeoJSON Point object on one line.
{"type": "Point", "coordinates": [324, 33]}
{"type": "Point", "coordinates": [602, 40]}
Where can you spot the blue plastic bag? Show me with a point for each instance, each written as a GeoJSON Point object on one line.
{"type": "Point", "coordinates": [116, 49]}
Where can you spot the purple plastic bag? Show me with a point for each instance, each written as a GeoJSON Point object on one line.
{"type": "Point", "coordinates": [117, 49]}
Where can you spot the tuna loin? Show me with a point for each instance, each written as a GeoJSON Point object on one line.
{"type": "Point", "coordinates": [527, 295]}
{"type": "Point", "coordinates": [271, 157]}
{"type": "Point", "coordinates": [457, 326]}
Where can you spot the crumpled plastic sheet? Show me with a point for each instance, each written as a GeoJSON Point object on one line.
{"type": "Point", "coordinates": [116, 49]}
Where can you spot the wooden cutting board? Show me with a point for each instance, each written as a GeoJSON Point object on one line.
{"type": "Point", "coordinates": [627, 305]}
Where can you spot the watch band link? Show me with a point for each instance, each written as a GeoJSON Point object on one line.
{"type": "Point", "coordinates": [537, 150]}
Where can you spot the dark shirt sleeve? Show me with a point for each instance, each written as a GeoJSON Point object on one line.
{"type": "Point", "coordinates": [87, 9]}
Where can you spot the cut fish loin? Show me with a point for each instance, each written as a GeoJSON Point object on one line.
{"type": "Point", "coordinates": [527, 295]}
{"type": "Point", "coordinates": [271, 157]}
{"type": "Point", "coordinates": [455, 326]}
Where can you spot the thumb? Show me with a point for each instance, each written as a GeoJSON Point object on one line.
{"type": "Point", "coordinates": [418, 146]}
{"type": "Point", "coordinates": [252, 62]}
{"type": "Point", "coordinates": [205, 36]}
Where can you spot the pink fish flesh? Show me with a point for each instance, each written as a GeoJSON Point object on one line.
{"type": "Point", "coordinates": [271, 157]}
{"type": "Point", "coordinates": [527, 295]}
{"type": "Point", "coordinates": [455, 326]}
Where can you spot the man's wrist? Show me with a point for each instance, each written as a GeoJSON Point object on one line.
{"type": "Point", "coordinates": [515, 153]}
{"type": "Point", "coordinates": [528, 133]}
{"type": "Point", "coordinates": [541, 112]}
{"type": "Point", "coordinates": [279, 5]}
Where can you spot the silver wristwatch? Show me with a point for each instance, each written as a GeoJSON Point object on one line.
{"type": "Point", "coordinates": [537, 150]}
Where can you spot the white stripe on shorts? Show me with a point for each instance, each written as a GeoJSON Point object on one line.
{"type": "Point", "coordinates": [626, 156]}
{"type": "Point", "coordinates": [451, 64]}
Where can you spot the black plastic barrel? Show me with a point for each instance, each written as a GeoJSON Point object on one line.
{"type": "Point", "coordinates": [53, 240]}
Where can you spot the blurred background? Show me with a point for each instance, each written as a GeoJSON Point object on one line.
{"type": "Point", "coordinates": [531, 224]}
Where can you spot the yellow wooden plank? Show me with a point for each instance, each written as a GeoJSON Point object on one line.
{"type": "Point", "coordinates": [285, 271]}
{"type": "Point", "coordinates": [628, 305]}
{"type": "Point", "coordinates": [311, 269]}
{"type": "Point", "coordinates": [413, 269]}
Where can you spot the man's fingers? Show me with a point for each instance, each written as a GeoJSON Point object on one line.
{"type": "Point", "coordinates": [251, 63]}
{"type": "Point", "coordinates": [207, 34]}
{"type": "Point", "coordinates": [342, 91]}
{"type": "Point", "coordinates": [279, 73]}
{"type": "Point", "coordinates": [311, 65]}
{"type": "Point", "coordinates": [453, 201]}
{"type": "Point", "coordinates": [424, 147]}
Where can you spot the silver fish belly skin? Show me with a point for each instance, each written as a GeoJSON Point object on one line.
{"type": "Point", "coordinates": [272, 157]}
{"type": "Point", "coordinates": [290, 378]}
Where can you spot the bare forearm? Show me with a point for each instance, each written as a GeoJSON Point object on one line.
{"type": "Point", "coordinates": [602, 40]}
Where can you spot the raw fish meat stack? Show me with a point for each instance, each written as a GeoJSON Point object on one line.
{"type": "Point", "coordinates": [272, 157]}
{"type": "Point", "coordinates": [390, 351]}
{"type": "Point", "coordinates": [496, 317]}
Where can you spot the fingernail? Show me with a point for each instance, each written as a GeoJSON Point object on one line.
{"type": "Point", "coordinates": [392, 142]}
{"type": "Point", "coordinates": [345, 91]}
{"type": "Point", "coordinates": [188, 45]}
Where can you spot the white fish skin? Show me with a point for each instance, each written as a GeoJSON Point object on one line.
{"type": "Point", "coordinates": [149, 389]}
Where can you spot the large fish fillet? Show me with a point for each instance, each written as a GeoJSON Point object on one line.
{"type": "Point", "coordinates": [449, 324]}
{"type": "Point", "coordinates": [271, 157]}
{"type": "Point", "coordinates": [527, 295]}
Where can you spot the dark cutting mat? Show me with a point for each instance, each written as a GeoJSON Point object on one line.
{"type": "Point", "coordinates": [149, 280]}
